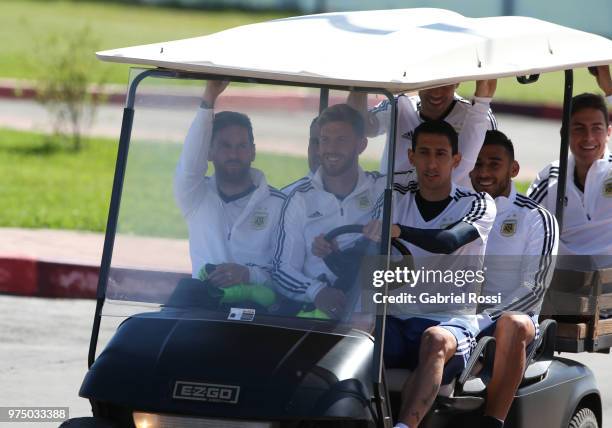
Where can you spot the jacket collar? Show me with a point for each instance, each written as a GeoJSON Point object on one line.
{"type": "Point", "coordinates": [362, 181]}
{"type": "Point", "coordinates": [257, 177]}
{"type": "Point", "coordinates": [599, 163]}
{"type": "Point", "coordinates": [503, 203]}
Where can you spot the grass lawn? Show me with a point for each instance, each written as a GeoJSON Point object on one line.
{"type": "Point", "coordinates": [51, 187]}
{"type": "Point", "coordinates": [148, 205]}
{"type": "Point", "coordinates": [548, 89]}
{"type": "Point", "coordinates": [27, 23]}
{"type": "Point", "coordinates": [54, 188]}
{"type": "Point", "coordinates": [59, 189]}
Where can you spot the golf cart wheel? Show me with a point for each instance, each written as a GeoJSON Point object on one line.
{"type": "Point", "coordinates": [584, 418]}
{"type": "Point", "coordinates": [87, 423]}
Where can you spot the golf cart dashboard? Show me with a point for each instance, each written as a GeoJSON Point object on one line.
{"type": "Point", "coordinates": [175, 295]}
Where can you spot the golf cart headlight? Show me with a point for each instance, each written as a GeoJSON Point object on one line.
{"type": "Point", "coordinates": [150, 420]}
{"type": "Point", "coordinates": [146, 420]}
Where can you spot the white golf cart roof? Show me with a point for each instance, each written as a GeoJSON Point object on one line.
{"type": "Point", "coordinates": [398, 50]}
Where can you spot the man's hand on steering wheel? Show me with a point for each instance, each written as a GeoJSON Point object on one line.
{"type": "Point", "coordinates": [322, 247]}
{"type": "Point", "coordinates": [373, 230]}
{"type": "Point", "coordinates": [331, 301]}
{"type": "Point", "coordinates": [228, 274]}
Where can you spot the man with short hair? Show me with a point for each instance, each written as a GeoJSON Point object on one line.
{"type": "Point", "coordinates": [338, 194]}
{"type": "Point", "coordinates": [520, 260]}
{"type": "Point", "coordinates": [470, 119]}
{"type": "Point", "coordinates": [434, 216]}
{"type": "Point", "coordinates": [587, 222]}
{"type": "Point", "coordinates": [231, 215]}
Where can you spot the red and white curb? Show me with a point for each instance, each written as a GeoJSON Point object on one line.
{"type": "Point", "coordinates": [31, 277]}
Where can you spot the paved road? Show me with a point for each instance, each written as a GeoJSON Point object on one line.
{"type": "Point", "coordinates": [43, 354]}
{"type": "Point", "coordinates": [536, 140]}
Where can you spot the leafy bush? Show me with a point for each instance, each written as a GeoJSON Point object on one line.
{"type": "Point", "coordinates": [63, 63]}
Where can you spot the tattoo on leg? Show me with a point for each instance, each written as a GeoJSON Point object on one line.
{"type": "Point", "coordinates": [416, 415]}
{"type": "Point", "coordinates": [432, 396]}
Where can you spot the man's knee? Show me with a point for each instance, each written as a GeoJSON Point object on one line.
{"type": "Point", "coordinates": [437, 341]}
{"type": "Point", "coordinates": [517, 328]}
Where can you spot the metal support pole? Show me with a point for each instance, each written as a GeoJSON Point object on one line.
{"type": "Point", "coordinates": [385, 243]}
{"type": "Point", "coordinates": [113, 211]}
{"type": "Point", "coordinates": [564, 150]}
{"type": "Point", "coordinates": [323, 99]}
{"type": "Point", "coordinates": [380, 390]}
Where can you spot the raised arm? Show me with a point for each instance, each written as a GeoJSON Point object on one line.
{"type": "Point", "coordinates": [477, 122]}
{"type": "Point", "coordinates": [189, 178]}
{"type": "Point", "coordinates": [372, 118]}
{"type": "Point", "coordinates": [604, 79]}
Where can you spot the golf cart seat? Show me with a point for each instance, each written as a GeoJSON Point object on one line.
{"type": "Point", "coordinates": [580, 300]}
{"type": "Point", "coordinates": [541, 354]}
{"type": "Point", "coordinates": [468, 391]}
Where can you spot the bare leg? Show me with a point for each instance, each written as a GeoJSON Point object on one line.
{"type": "Point", "coordinates": [513, 333]}
{"type": "Point", "coordinates": [438, 345]}
{"type": "Point", "coordinates": [407, 387]}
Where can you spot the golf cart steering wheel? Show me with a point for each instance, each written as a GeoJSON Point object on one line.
{"type": "Point", "coordinates": [358, 228]}
{"type": "Point", "coordinates": [342, 262]}
{"type": "Point", "coordinates": [346, 264]}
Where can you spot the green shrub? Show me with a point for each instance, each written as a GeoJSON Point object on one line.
{"type": "Point", "coordinates": [63, 64]}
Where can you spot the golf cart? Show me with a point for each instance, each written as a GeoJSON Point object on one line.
{"type": "Point", "coordinates": [185, 354]}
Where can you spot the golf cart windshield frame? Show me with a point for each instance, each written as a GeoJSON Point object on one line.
{"type": "Point", "coordinates": [121, 164]}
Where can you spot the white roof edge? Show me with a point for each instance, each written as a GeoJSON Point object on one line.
{"type": "Point", "coordinates": [394, 87]}
{"type": "Point", "coordinates": [359, 49]}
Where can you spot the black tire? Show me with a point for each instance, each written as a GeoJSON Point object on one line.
{"type": "Point", "coordinates": [87, 423]}
{"type": "Point", "coordinates": [584, 418]}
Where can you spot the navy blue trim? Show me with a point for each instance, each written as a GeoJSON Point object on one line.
{"type": "Point", "coordinates": [374, 174]}
{"type": "Point", "coordinates": [277, 193]}
{"type": "Point", "coordinates": [285, 280]}
{"type": "Point", "coordinates": [231, 198]}
{"type": "Point", "coordinates": [376, 210]}
{"type": "Point", "coordinates": [412, 188]}
{"type": "Point", "coordinates": [492, 119]}
{"type": "Point", "coordinates": [382, 106]}
{"type": "Point", "coordinates": [541, 189]}
{"type": "Point", "coordinates": [303, 179]}
{"type": "Point", "coordinates": [478, 208]}
{"type": "Point", "coordinates": [463, 100]}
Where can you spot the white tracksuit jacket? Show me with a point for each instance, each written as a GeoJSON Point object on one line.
{"type": "Point", "coordinates": [250, 240]}
{"type": "Point", "coordinates": [520, 254]}
{"type": "Point", "coordinates": [587, 218]}
{"type": "Point", "coordinates": [310, 211]}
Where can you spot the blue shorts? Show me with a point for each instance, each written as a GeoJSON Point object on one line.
{"type": "Point", "coordinates": [403, 340]}
{"type": "Point", "coordinates": [490, 331]}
